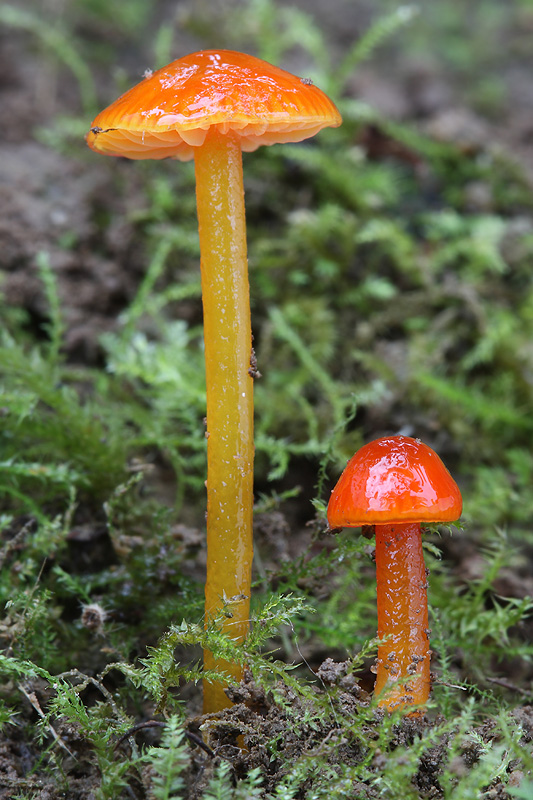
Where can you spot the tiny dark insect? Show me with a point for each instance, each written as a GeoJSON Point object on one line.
{"type": "Point", "coordinates": [96, 129]}
{"type": "Point", "coordinates": [253, 371]}
{"type": "Point", "coordinates": [307, 81]}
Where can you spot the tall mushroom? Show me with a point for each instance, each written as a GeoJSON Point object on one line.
{"type": "Point", "coordinates": [395, 484]}
{"type": "Point", "coordinates": [210, 106]}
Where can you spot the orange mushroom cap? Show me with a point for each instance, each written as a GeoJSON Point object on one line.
{"type": "Point", "coordinates": [395, 479]}
{"type": "Point", "coordinates": [169, 113]}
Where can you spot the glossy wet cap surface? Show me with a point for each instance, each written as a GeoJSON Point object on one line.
{"type": "Point", "coordinates": [169, 113]}
{"type": "Point", "coordinates": [394, 479]}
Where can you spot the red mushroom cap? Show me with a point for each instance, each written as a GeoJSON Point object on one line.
{"type": "Point", "coordinates": [169, 113]}
{"type": "Point", "coordinates": [393, 480]}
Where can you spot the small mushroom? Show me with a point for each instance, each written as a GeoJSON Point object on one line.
{"type": "Point", "coordinates": [210, 106]}
{"type": "Point", "coordinates": [395, 484]}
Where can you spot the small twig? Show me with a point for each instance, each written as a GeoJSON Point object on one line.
{"type": "Point", "coordinates": [85, 681]}
{"type": "Point", "coordinates": [153, 723]}
{"type": "Point", "coordinates": [88, 679]}
{"type": "Point", "coordinates": [508, 685]}
{"type": "Point", "coordinates": [197, 740]}
{"type": "Point", "coordinates": [15, 541]}
{"type": "Point", "coordinates": [436, 681]}
{"type": "Point", "coordinates": [32, 698]}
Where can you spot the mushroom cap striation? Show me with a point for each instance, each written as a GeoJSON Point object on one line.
{"type": "Point", "coordinates": [169, 113]}
{"type": "Point", "coordinates": [395, 479]}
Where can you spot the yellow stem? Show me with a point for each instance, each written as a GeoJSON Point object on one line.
{"type": "Point", "coordinates": [228, 342]}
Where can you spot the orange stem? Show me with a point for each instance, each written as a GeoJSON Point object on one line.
{"type": "Point", "coordinates": [403, 658]}
{"type": "Point", "coordinates": [228, 342]}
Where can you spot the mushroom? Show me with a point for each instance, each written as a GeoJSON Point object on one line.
{"type": "Point", "coordinates": [395, 484]}
{"type": "Point", "coordinates": [210, 106]}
